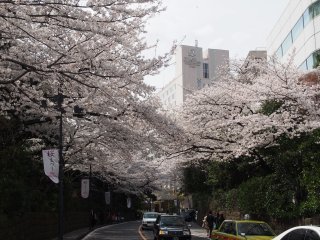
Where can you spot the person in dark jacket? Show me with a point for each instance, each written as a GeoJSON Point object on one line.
{"type": "Point", "coordinates": [220, 220]}
{"type": "Point", "coordinates": [93, 219]}
{"type": "Point", "coordinates": [210, 222]}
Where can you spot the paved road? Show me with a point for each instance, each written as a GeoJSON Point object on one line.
{"type": "Point", "coordinates": [196, 232]}
{"type": "Point", "coordinates": [121, 231]}
{"type": "Point", "coordinates": [132, 231]}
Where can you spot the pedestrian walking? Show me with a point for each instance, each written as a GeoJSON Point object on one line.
{"type": "Point", "coordinates": [210, 221]}
{"type": "Point", "coordinates": [205, 224]}
{"type": "Point", "coordinates": [93, 219]}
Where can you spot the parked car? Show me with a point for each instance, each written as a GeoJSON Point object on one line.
{"type": "Point", "coordinates": [148, 219]}
{"type": "Point", "coordinates": [243, 229]}
{"type": "Point", "coordinates": [171, 227]}
{"type": "Point", "coordinates": [300, 233]}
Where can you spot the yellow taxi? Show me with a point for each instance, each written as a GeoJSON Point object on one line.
{"type": "Point", "coordinates": [243, 230]}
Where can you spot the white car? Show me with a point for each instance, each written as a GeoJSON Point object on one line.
{"type": "Point", "coordinates": [300, 233]}
{"type": "Point", "coordinates": [149, 219]}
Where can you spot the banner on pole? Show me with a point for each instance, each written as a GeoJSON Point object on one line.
{"type": "Point", "coordinates": [107, 197]}
{"type": "Point", "coordinates": [128, 202]}
{"type": "Point", "coordinates": [85, 188]}
{"type": "Point", "coordinates": [51, 164]}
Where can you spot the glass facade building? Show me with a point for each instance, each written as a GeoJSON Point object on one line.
{"type": "Point", "coordinates": [298, 29]}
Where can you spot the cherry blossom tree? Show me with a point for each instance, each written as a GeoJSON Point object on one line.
{"type": "Point", "coordinates": [92, 53]}
{"type": "Point", "coordinates": [249, 108]}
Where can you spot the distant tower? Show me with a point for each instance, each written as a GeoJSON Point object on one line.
{"type": "Point", "coordinates": [196, 43]}
{"type": "Point", "coordinates": [195, 69]}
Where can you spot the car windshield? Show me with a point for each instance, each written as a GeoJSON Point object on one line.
{"type": "Point", "coordinates": [261, 229]}
{"type": "Point", "coordinates": [150, 215]}
{"type": "Point", "coordinates": [172, 221]}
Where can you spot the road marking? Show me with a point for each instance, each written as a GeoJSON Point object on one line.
{"type": "Point", "coordinates": [141, 234]}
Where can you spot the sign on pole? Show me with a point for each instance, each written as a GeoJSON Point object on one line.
{"type": "Point", "coordinates": [107, 197]}
{"type": "Point", "coordinates": [85, 188]}
{"type": "Point", "coordinates": [51, 164]}
{"type": "Point", "coordinates": [128, 202]}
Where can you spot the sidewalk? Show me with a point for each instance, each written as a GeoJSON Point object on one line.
{"type": "Point", "coordinates": [82, 232]}
{"type": "Point", "coordinates": [78, 234]}
{"type": "Point", "coordinates": [198, 231]}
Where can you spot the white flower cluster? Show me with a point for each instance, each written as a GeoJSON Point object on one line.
{"type": "Point", "coordinates": [90, 52]}
{"type": "Point", "coordinates": [231, 117]}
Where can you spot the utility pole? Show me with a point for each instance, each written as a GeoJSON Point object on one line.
{"type": "Point", "coordinates": [61, 168]}
{"type": "Point", "coordinates": [90, 190]}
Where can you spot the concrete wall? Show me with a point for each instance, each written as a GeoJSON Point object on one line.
{"type": "Point", "coordinates": [40, 226]}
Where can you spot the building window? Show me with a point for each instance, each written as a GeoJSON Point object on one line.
{"type": "Point", "coordinates": [306, 17]}
{"type": "Point", "coordinates": [279, 52]}
{"type": "Point", "coordinates": [297, 29]}
{"type": "Point", "coordinates": [205, 70]}
{"type": "Point", "coordinates": [309, 14]}
{"type": "Point", "coordinates": [303, 66]}
{"type": "Point", "coordinates": [310, 62]}
{"type": "Point", "coordinates": [286, 43]}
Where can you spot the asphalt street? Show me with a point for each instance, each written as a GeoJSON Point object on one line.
{"type": "Point", "coordinates": [132, 231]}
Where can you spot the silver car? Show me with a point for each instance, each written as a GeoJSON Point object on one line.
{"type": "Point", "coordinates": [149, 218]}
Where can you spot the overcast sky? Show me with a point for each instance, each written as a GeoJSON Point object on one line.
{"type": "Point", "coordinates": [235, 25]}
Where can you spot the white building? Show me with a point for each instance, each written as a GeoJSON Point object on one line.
{"type": "Point", "coordinates": [298, 28]}
{"type": "Point", "coordinates": [195, 69]}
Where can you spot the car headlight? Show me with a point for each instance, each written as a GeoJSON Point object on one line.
{"type": "Point", "coordinates": [186, 232]}
{"type": "Point", "coordinates": [163, 232]}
